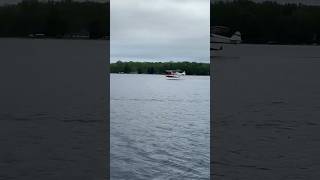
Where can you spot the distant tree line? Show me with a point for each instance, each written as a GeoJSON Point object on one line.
{"type": "Point", "coordinates": [64, 18]}
{"type": "Point", "coordinates": [269, 22]}
{"type": "Point", "coordinates": [191, 68]}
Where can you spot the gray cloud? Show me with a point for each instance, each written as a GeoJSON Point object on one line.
{"type": "Point", "coordinates": [160, 30]}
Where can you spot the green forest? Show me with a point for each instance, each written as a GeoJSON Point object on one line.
{"type": "Point", "coordinates": [269, 22]}
{"type": "Point", "coordinates": [57, 19]}
{"type": "Point", "coordinates": [191, 68]}
{"type": "Point", "coordinates": [266, 22]}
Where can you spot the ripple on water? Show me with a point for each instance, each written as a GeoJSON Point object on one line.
{"type": "Point", "coordinates": [159, 129]}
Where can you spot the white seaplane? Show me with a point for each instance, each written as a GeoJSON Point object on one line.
{"type": "Point", "coordinates": [174, 74]}
{"type": "Point", "coordinates": [219, 36]}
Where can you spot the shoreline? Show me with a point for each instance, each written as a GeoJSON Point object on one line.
{"type": "Point", "coordinates": [267, 44]}
{"type": "Point", "coordinates": [191, 68]}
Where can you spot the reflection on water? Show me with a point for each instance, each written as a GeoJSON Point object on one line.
{"type": "Point", "coordinates": [159, 128]}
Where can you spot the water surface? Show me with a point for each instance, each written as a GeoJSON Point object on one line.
{"type": "Point", "coordinates": [266, 112]}
{"type": "Point", "coordinates": [159, 128]}
{"type": "Point", "coordinates": [53, 109]}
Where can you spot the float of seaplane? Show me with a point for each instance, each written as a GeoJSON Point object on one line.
{"type": "Point", "coordinates": [220, 35]}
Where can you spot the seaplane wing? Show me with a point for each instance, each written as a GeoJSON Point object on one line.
{"type": "Point", "coordinates": [234, 39]}
{"type": "Point", "coordinates": [217, 38]}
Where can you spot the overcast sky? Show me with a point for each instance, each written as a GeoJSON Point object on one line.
{"type": "Point", "coordinates": [160, 30]}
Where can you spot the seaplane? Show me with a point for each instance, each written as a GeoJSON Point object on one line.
{"type": "Point", "coordinates": [174, 74]}
{"type": "Point", "coordinates": [221, 35]}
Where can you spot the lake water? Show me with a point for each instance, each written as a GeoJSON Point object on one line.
{"type": "Point", "coordinates": [159, 128]}
{"type": "Point", "coordinates": [53, 109]}
{"type": "Point", "coordinates": [266, 115]}
{"type": "Point", "coordinates": [53, 114]}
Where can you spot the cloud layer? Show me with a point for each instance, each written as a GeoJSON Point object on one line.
{"type": "Point", "coordinates": [160, 30]}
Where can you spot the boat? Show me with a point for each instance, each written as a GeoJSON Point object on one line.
{"type": "Point", "coordinates": [174, 74]}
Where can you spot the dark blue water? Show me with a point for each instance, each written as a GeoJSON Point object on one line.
{"type": "Point", "coordinates": [266, 115]}
{"type": "Point", "coordinates": [53, 109]}
{"type": "Point", "coordinates": [159, 128]}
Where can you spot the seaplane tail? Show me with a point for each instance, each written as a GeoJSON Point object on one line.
{"type": "Point", "coordinates": [236, 38]}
